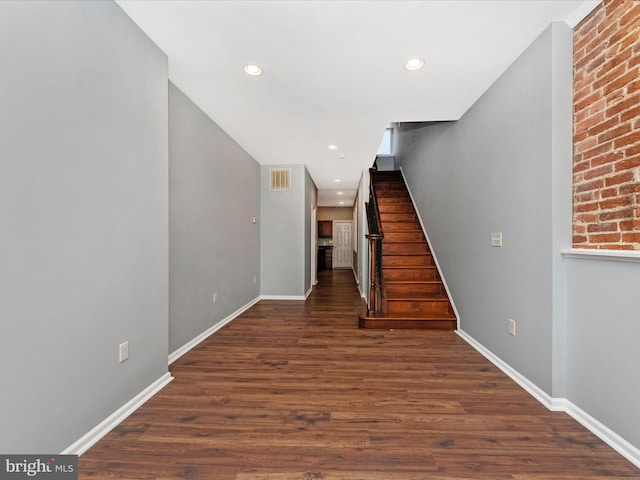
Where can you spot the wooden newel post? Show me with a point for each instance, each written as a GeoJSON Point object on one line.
{"type": "Point", "coordinates": [372, 276]}
{"type": "Point", "coordinates": [375, 280]}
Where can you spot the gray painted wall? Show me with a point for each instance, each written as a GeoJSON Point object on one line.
{"type": "Point", "coordinates": [283, 231]}
{"type": "Point", "coordinates": [214, 194]}
{"type": "Point", "coordinates": [362, 230]}
{"type": "Point", "coordinates": [505, 166]}
{"type": "Point", "coordinates": [83, 209]}
{"type": "Point", "coordinates": [603, 358]}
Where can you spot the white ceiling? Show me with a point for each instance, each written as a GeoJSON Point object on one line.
{"type": "Point", "coordinates": [333, 70]}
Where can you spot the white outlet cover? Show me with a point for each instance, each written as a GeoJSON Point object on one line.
{"type": "Point", "coordinates": [496, 239]}
{"type": "Point", "coordinates": [512, 327]}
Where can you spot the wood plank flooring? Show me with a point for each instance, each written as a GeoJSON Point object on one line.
{"type": "Point", "coordinates": [294, 391]}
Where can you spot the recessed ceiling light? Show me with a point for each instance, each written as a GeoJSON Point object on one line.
{"type": "Point", "coordinates": [337, 180]}
{"type": "Point", "coordinates": [339, 193]}
{"type": "Point", "coordinates": [341, 203]}
{"type": "Point", "coordinates": [252, 69]}
{"type": "Point", "coordinates": [333, 147]}
{"type": "Point", "coordinates": [414, 64]}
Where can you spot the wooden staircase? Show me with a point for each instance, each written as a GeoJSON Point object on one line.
{"type": "Point", "coordinates": [413, 293]}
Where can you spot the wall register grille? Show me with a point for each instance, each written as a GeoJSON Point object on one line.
{"type": "Point", "coordinates": [280, 179]}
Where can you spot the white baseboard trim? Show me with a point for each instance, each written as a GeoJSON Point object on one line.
{"type": "Point", "coordinates": [210, 331]}
{"type": "Point", "coordinates": [605, 434]}
{"type": "Point", "coordinates": [363, 292]}
{"type": "Point", "coordinates": [306, 295]}
{"type": "Point", "coordinates": [540, 395]}
{"type": "Point", "coordinates": [555, 404]}
{"type": "Point", "coordinates": [96, 433]}
{"type": "Point", "coordinates": [282, 297]}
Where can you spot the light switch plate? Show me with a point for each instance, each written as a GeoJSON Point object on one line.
{"type": "Point", "coordinates": [124, 351]}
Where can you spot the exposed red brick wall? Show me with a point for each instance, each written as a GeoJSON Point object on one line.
{"type": "Point", "coordinates": [606, 168]}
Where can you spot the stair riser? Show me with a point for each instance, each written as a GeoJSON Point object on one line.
{"type": "Point", "coordinates": [427, 289]}
{"type": "Point", "coordinates": [415, 247]}
{"type": "Point", "coordinates": [388, 179]}
{"type": "Point", "coordinates": [409, 274]}
{"type": "Point", "coordinates": [393, 181]}
{"type": "Point", "coordinates": [400, 324]}
{"type": "Point", "coordinates": [390, 184]}
{"type": "Point", "coordinates": [407, 260]}
{"type": "Point", "coordinates": [398, 217]}
{"type": "Point", "coordinates": [387, 175]}
{"type": "Point", "coordinates": [394, 199]}
{"type": "Point", "coordinates": [395, 208]}
{"type": "Point", "coordinates": [403, 237]}
{"type": "Point", "coordinates": [415, 307]}
{"type": "Point", "coordinates": [390, 191]}
{"type": "Point", "coordinates": [400, 227]}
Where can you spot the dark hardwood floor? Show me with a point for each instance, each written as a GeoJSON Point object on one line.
{"type": "Point", "coordinates": [295, 391]}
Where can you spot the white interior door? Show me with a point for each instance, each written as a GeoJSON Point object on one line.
{"type": "Point", "coordinates": [342, 248]}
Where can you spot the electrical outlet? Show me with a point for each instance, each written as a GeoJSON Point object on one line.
{"type": "Point", "coordinates": [496, 239]}
{"type": "Point", "coordinates": [512, 327]}
{"type": "Point", "coordinates": [255, 279]}
{"type": "Point", "coordinates": [255, 220]}
{"type": "Point", "coordinates": [215, 297]}
{"type": "Point", "coordinates": [124, 351]}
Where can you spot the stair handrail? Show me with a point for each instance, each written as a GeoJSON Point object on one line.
{"type": "Point", "coordinates": [375, 237]}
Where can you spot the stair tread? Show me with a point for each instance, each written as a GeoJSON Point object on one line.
{"type": "Point", "coordinates": [410, 227]}
{"type": "Point", "coordinates": [390, 241]}
{"type": "Point", "coordinates": [411, 230]}
{"type": "Point", "coordinates": [412, 297]}
{"type": "Point", "coordinates": [411, 282]}
{"type": "Point", "coordinates": [408, 267]}
{"type": "Point", "coordinates": [412, 222]}
{"type": "Point", "coordinates": [398, 242]}
{"type": "Point", "coordinates": [402, 324]}
{"type": "Point", "coordinates": [430, 316]}
{"type": "Point", "coordinates": [403, 232]}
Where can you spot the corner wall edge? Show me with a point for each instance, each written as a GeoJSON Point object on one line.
{"type": "Point", "coordinates": [555, 404]}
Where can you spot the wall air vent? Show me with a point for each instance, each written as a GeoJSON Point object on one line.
{"type": "Point", "coordinates": [280, 179]}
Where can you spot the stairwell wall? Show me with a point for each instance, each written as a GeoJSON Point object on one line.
{"type": "Point", "coordinates": [505, 166]}
{"type": "Point", "coordinates": [362, 230]}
